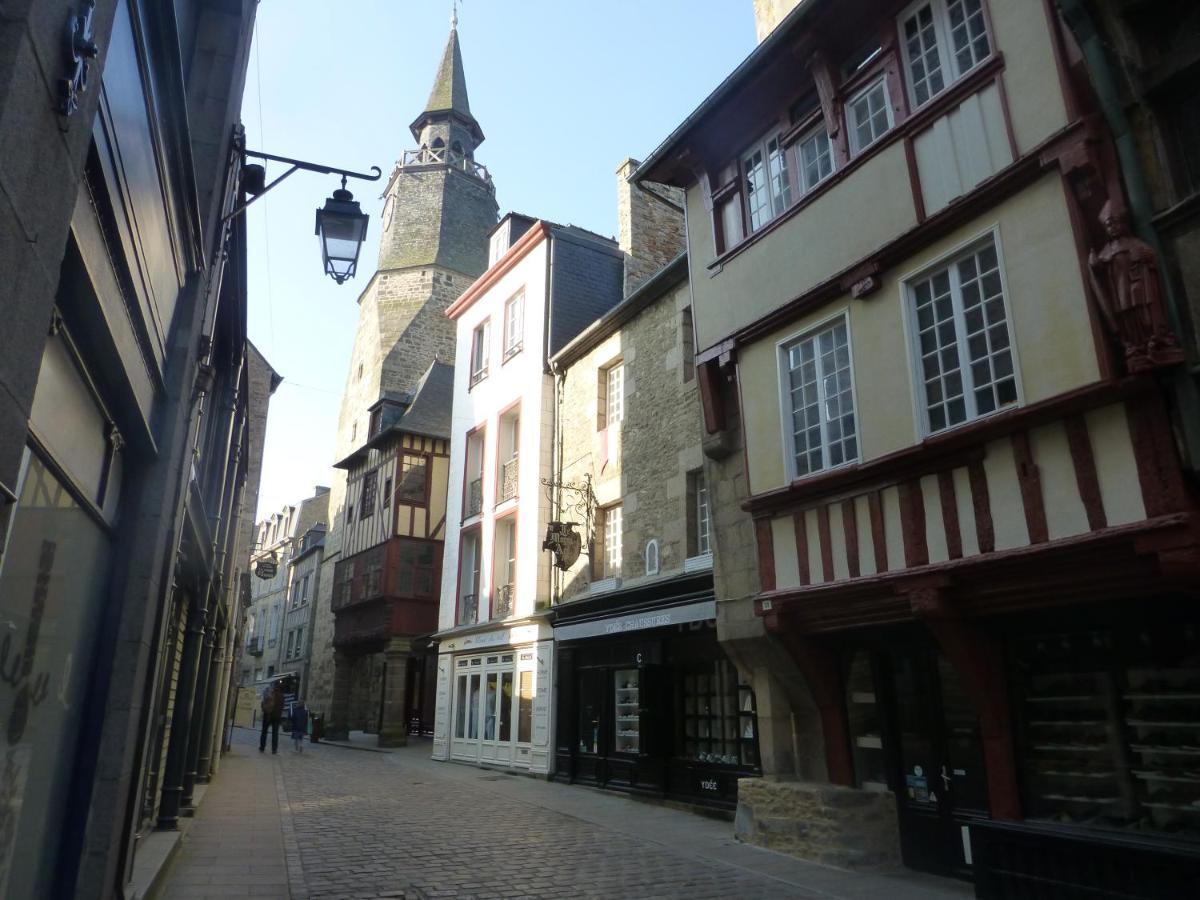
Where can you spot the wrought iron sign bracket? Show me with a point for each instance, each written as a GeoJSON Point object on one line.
{"type": "Point", "coordinates": [80, 50]}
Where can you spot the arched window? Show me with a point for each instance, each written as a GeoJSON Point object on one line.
{"type": "Point", "coordinates": [652, 557]}
{"type": "Point", "coordinates": [438, 143]}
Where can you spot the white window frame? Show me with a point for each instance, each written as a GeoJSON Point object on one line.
{"type": "Point", "coordinates": [613, 524]}
{"type": "Point", "coordinates": [785, 197]}
{"type": "Point", "coordinates": [614, 394]}
{"type": "Point", "coordinates": [514, 336]}
{"type": "Point", "coordinates": [802, 167]}
{"type": "Point", "coordinates": [703, 515]}
{"type": "Point", "coordinates": [480, 339]}
{"type": "Point", "coordinates": [947, 58]}
{"type": "Point", "coordinates": [856, 148]}
{"type": "Point", "coordinates": [785, 403]}
{"type": "Point", "coordinates": [912, 332]}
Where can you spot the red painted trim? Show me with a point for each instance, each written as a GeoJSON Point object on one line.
{"type": "Point", "coordinates": [914, 179]}
{"type": "Point", "coordinates": [950, 513]}
{"type": "Point", "coordinates": [981, 501]}
{"type": "Point", "coordinates": [800, 524]}
{"type": "Point", "coordinates": [878, 535]}
{"type": "Point", "coordinates": [1070, 98]}
{"type": "Point", "coordinates": [496, 477]}
{"type": "Point", "coordinates": [819, 664]}
{"type": "Point", "coordinates": [1031, 488]}
{"type": "Point", "coordinates": [912, 520]}
{"type": "Point", "coordinates": [500, 517]}
{"type": "Point", "coordinates": [502, 267]}
{"type": "Point", "coordinates": [766, 553]}
{"type": "Point", "coordinates": [826, 542]}
{"type": "Point", "coordinates": [850, 530]}
{"type": "Point", "coordinates": [1084, 463]}
{"type": "Point", "coordinates": [440, 524]}
{"type": "Point", "coordinates": [955, 447]}
{"type": "Point", "coordinates": [1158, 466]}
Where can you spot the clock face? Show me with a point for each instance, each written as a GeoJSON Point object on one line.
{"type": "Point", "coordinates": [389, 207]}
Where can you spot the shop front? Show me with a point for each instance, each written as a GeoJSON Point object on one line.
{"type": "Point", "coordinates": [648, 702]}
{"type": "Point", "coordinates": [493, 697]}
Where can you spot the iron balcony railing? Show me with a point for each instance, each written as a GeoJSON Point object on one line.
{"type": "Point", "coordinates": [254, 645]}
{"type": "Point", "coordinates": [443, 156]}
{"type": "Point", "coordinates": [468, 609]}
{"type": "Point", "coordinates": [475, 497]}
{"type": "Point", "coordinates": [508, 479]}
{"type": "Point", "coordinates": [502, 605]}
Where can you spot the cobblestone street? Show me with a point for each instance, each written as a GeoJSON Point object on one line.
{"type": "Point", "coordinates": [344, 823]}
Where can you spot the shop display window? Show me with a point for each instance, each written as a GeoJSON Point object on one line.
{"type": "Point", "coordinates": [525, 709]}
{"type": "Point", "coordinates": [719, 721]}
{"type": "Point", "coordinates": [866, 725]}
{"type": "Point", "coordinates": [1110, 728]}
{"type": "Point", "coordinates": [627, 710]}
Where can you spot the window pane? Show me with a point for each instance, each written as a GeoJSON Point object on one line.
{"type": "Point", "coordinates": [612, 541]}
{"type": "Point", "coordinates": [869, 117]}
{"type": "Point", "coordinates": [781, 188]}
{"type": "Point", "coordinates": [702, 526]}
{"type": "Point", "coordinates": [968, 33]}
{"type": "Point", "coordinates": [924, 64]}
{"type": "Point", "coordinates": [473, 709]}
{"type": "Point", "coordinates": [757, 193]}
{"type": "Point", "coordinates": [988, 350]}
{"type": "Point", "coordinates": [506, 697]}
{"type": "Point", "coordinates": [460, 717]}
{"type": "Point", "coordinates": [939, 350]}
{"type": "Point", "coordinates": [525, 709]}
{"type": "Point", "coordinates": [731, 222]}
{"type": "Point", "coordinates": [822, 403]}
{"type": "Point", "coordinates": [490, 698]}
{"type": "Point", "coordinates": [615, 395]}
{"type": "Point", "coordinates": [816, 159]}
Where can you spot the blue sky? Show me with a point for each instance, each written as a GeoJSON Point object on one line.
{"type": "Point", "coordinates": [564, 90]}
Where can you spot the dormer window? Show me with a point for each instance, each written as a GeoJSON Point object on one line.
{"type": "Point", "coordinates": [376, 422]}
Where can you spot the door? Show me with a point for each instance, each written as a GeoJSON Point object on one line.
{"type": "Point", "coordinates": [942, 782]}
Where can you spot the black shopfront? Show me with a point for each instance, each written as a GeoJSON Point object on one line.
{"type": "Point", "coordinates": [648, 702]}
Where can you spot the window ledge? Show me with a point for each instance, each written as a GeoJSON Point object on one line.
{"type": "Point", "coordinates": [701, 563]}
{"type": "Point", "coordinates": [509, 354]}
{"type": "Point", "coordinates": [604, 585]}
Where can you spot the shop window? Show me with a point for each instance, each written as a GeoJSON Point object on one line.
{"type": "Point", "coordinates": [414, 479]}
{"type": "Point", "coordinates": [962, 337]}
{"type": "Point", "coordinates": [480, 338]}
{"type": "Point", "coordinates": [627, 710]}
{"type": "Point", "coordinates": [525, 709]}
{"type": "Point", "coordinates": [506, 701]}
{"type": "Point", "coordinates": [942, 41]}
{"type": "Point", "coordinates": [819, 399]}
{"type": "Point", "coordinates": [370, 487]}
{"type": "Point", "coordinates": [866, 725]}
{"type": "Point", "coordinates": [719, 722]}
{"type": "Point", "coordinates": [1110, 726]}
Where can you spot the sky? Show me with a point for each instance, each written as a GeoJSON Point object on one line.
{"type": "Point", "coordinates": [565, 90]}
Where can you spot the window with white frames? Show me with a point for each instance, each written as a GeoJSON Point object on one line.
{"type": "Point", "coordinates": [820, 400]}
{"type": "Point", "coordinates": [869, 116]}
{"type": "Point", "coordinates": [479, 352]}
{"type": "Point", "coordinates": [768, 187]}
{"type": "Point", "coordinates": [614, 395]}
{"type": "Point", "coordinates": [698, 518]}
{"type": "Point", "coordinates": [816, 157]}
{"type": "Point", "coordinates": [943, 40]}
{"type": "Point", "coordinates": [966, 364]}
{"type": "Point", "coordinates": [612, 541]}
{"type": "Point", "coordinates": [514, 323]}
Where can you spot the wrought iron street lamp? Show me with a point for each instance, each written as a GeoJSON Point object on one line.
{"type": "Point", "coordinates": [342, 227]}
{"type": "Point", "coordinates": [341, 223]}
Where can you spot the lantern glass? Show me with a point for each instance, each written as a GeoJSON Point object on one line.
{"type": "Point", "coordinates": [342, 227]}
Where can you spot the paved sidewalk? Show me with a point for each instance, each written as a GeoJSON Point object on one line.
{"type": "Point", "coordinates": [235, 845]}
{"type": "Point", "coordinates": [336, 823]}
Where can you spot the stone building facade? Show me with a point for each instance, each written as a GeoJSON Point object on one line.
{"type": "Point", "coordinates": [438, 207]}
{"type": "Point", "coordinates": [125, 440]}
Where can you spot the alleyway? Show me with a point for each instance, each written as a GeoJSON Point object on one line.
{"type": "Point", "coordinates": [343, 823]}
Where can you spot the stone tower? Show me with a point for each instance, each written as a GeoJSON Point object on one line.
{"type": "Point", "coordinates": [438, 208]}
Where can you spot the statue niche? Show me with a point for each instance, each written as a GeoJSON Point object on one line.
{"type": "Point", "coordinates": [1125, 277]}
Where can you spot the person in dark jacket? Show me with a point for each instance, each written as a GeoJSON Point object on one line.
{"type": "Point", "coordinates": [299, 724]}
{"type": "Point", "coordinates": [272, 709]}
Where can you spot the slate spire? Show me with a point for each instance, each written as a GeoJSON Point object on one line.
{"type": "Point", "coordinates": [448, 99]}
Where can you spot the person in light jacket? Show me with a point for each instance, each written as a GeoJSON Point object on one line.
{"type": "Point", "coordinates": [299, 724]}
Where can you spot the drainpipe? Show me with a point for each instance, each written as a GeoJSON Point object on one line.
{"type": "Point", "coordinates": [1141, 210]}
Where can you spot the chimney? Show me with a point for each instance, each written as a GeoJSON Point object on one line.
{"type": "Point", "coordinates": [650, 222]}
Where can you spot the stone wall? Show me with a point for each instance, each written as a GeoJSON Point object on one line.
{"type": "Point", "coordinates": [769, 13]}
{"type": "Point", "coordinates": [650, 225]}
{"type": "Point", "coordinates": [822, 823]}
{"type": "Point", "coordinates": [657, 445]}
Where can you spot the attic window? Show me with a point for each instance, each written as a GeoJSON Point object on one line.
{"type": "Point", "coordinates": [376, 422]}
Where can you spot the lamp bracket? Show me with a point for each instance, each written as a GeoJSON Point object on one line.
{"type": "Point", "coordinates": [319, 168]}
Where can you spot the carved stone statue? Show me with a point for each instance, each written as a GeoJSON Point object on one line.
{"type": "Point", "coordinates": [1125, 277]}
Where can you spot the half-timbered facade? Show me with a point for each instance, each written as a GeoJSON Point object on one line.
{"type": "Point", "coordinates": [919, 301]}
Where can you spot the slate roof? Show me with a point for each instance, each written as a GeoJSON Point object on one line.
{"type": "Point", "coordinates": [449, 93]}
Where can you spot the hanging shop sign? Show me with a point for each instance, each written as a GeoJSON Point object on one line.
{"type": "Point", "coordinates": [266, 569]}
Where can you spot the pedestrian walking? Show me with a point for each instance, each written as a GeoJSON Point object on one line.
{"type": "Point", "coordinates": [299, 724]}
{"type": "Point", "coordinates": [272, 709]}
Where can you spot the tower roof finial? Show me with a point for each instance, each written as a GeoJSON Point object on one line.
{"type": "Point", "coordinates": [454, 14]}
